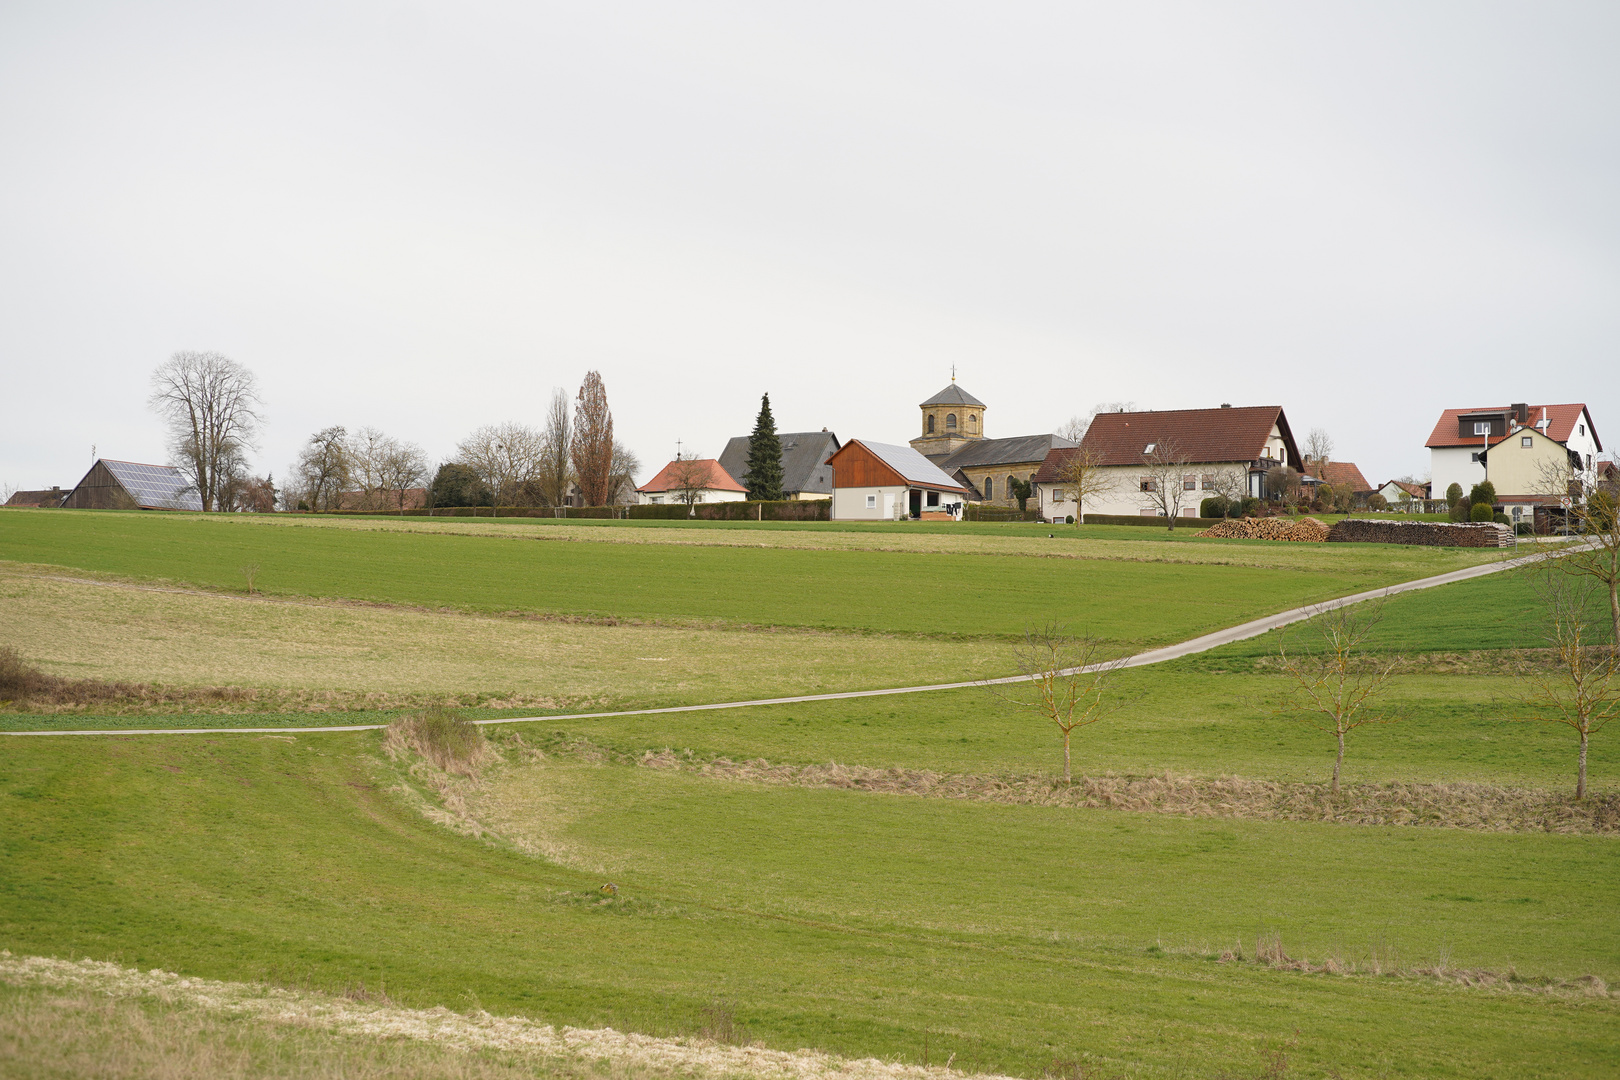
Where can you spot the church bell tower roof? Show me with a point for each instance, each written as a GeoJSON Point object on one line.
{"type": "Point", "coordinates": [953, 395]}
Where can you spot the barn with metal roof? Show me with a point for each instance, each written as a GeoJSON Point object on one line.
{"type": "Point", "coordinates": [131, 485]}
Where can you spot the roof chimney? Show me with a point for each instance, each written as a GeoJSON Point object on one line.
{"type": "Point", "coordinates": [1226, 404]}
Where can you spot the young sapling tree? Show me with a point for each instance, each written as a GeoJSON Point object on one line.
{"type": "Point", "coordinates": [1065, 680]}
{"type": "Point", "coordinates": [1337, 684]}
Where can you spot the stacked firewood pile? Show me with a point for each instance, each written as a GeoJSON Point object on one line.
{"type": "Point", "coordinates": [1306, 529]}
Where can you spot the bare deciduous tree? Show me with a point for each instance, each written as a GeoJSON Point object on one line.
{"type": "Point", "coordinates": [556, 472]}
{"type": "Point", "coordinates": [592, 448]}
{"type": "Point", "coordinates": [1081, 476]}
{"type": "Point", "coordinates": [1337, 683]}
{"type": "Point", "coordinates": [403, 466]}
{"type": "Point", "coordinates": [1600, 560]}
{"type": "Point", "coordinates": [1163, 484]}
{"type": "Point", "coordinates": [1318, 452]}
{"type": "Point", "coordinates": [1581, 693]}
{"type": "Point", "coordinates": [506, 457]}
{"type": "Point", "coordinates": [211, 406]}
{"type": "Point", "coordinates": [622, 481]}
{"type": "Point", "coordinates": [1066, 681]}
{"type": "Point", "coordinates": [1229, 485]}
{"type": "Point", "coordinates": [1075, 427]}
{"type": "Point", "coordinates": [690, 478]}
{"type": "Point", "coordinates": [321, 473]}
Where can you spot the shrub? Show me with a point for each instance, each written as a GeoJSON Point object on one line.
{"type": "Point", "coordinates": [1453, 493]}
{"type": "Point", "coordinates": [1253, 507]}
{"type": "Point", "coordinates": [1377, 501]}
{"type": "Point", "coordinates": [1214, 506]}
{"type": "Point", "coordinates": [1483, 492]}
{"type": "Point", "coordinates": [1461, 509]}
{"type": "Point", "coordinates": [1069, 520]}
{"type": "Point", "coordinates": [1481, 512]}
{"type": "Point", "coordinates": [1501, 519]}
{"type": "Point", "coordinates": [1525, 528]}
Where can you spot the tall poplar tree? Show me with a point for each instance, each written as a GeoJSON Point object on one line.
{"type": "Point", "coordinates": [591, 447]}
{"type": "Point", "coordinates": [764, 477]}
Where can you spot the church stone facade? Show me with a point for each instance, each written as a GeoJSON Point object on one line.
{"type": "Point", "coordinates": [953, 438]}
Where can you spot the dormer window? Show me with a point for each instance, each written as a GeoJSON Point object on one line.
{"type": "Point", "coordinates": [1482, 427]}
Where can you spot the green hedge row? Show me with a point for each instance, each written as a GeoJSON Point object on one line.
{"type": "Point", "coordinates": [782, 510]}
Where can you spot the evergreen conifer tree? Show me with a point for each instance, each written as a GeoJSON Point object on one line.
{"type": "Point", "coordinates": [764, 478]}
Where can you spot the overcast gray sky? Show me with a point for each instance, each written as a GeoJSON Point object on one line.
{"type": "Point", "coordinates": [424, 217]}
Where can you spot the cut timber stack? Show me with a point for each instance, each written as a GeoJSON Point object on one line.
{"type": "Point", "coordinates": [1428, 533]}
{"type": "Point", "coordinates": [1306, 529]}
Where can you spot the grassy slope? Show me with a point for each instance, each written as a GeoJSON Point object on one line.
{"type": "Point", "coordinates": [1009, 940]}
{"type": "Point", "coordinates": [938, 594]}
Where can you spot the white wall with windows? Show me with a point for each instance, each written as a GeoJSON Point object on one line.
{"type": "Point", "coordinates": [1129, 493]}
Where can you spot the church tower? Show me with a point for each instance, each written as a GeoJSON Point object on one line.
{"type": "Point", "coordinates": [951, 419]}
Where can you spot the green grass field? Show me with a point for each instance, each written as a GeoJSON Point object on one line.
{"type": "Point", "coordinates": [857, 922]}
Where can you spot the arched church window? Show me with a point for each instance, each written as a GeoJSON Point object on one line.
{"type": "Point", "coordinates": [950, 421]}
{"type": "Point", "coordinates": [930, 423]}
{"type": "Point", "coordinates": [973, 420]}
{"type": "Point", "coordinates": [989, 487]}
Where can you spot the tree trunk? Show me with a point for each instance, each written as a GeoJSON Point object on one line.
{"type": "Point", "coordinates": [1580, 775]}
{"type": "Point", "coordinates": [1067, 781]}
{"type": "Point", "coordinates": [1338, 763]}
{"type": "Point", "coordinates": [1614, 602]}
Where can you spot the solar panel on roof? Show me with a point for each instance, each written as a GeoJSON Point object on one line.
{"type": "Point", "coordinates": [154, 486]}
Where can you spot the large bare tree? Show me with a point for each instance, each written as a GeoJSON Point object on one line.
{"type": "Point", "coordinates": [556, 471]}
{"type": "Point", "coordinates": [322, 472]}
{"type": "Point", "coordinates": [210, 404]}
{"type": "Point", "coordinates": [1318, 452]}
{"type": "Point", "coordinates": [1337, 683]}
{"type": "Point", "coordinates": [401, 467]}
{"type": "Point", "coordinates": [592, 448]}
{"type": "Point", "coordinates": [1164, 478]}
{"type": "Point", "coordinates": [689, 478]}
{"type": "Point", "coordinates": [506, 456]}
{"type": "Point", "coordinates": [1081, 476]}
{"type": "Point", "coordinates": [1582, 691]}
{"type": "Point", "coordinates": [1065, 681]}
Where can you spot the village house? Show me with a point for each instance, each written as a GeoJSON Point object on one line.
{"type": "Point", "coordinates": [953, 438]}
{"type": "Point", "coordinates": [1459, 445]}
{"type": "Point", "coordinates": [1213, 452]}
{"type": "Point", "coordinates": [130, 485]}
{"type": "Point", "coordinates": [805, 474]}
{"type": "Point", "coordinates": [47, 497]}
{"type": "Point", "coordinates": [1398, 492]}
{"type": "Point", "coordinates": [878, 482]}
{"type": "Point", "coordinates": [692, 481]}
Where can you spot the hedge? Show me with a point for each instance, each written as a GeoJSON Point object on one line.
{"type": "Point", "coordinates": [781, 510]}
{"type": "Point", "coordinates": [979, 512]}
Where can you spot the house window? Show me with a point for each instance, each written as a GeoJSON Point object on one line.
{"type": "Point", "coordinates": [933, 498]}
{"type": "Point", "coordinates": [1583, 429]}
{"type": "Point", "coordinates": [1150, 447]}
{"type": "Point", "coordinates": [1209, 481]}
{"type": "Point", "coordinates": [1527, 442]}
{"type": "Point", "coordinates": [871, 502]}
{"type": "Point", "coordinates": [989, 488]}
{"type": "Point", "coordinates": [1482, 427]}
{"type": "Point", "coordinates": [657, 498]}
{"type": "Point", "coordinates": [1148, 484]}
{"type": "Point", "coordinates": [1189, 482]}
{"type": "Point", "coordinates": [1474, 457]}
{"type": "Point", "coordinates": [930, 423]}
{"type": "Point", "coordinates": [1057, 495]}
{"type": "Point", "coordinates": [1147, 513]}
{"type": "Point", "coordinates": [950, 421]}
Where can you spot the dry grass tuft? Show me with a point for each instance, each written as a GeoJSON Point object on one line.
{"type": "Point", "coordinates": [453, 745]}
{"type": "Point", "coordinates": [1480, 807]}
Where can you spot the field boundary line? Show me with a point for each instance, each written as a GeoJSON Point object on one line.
{"type": "Point", "coordinates": [1190, 647]}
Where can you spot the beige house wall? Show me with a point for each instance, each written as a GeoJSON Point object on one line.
{"type": "Point", "coordinates": [1516, 469]}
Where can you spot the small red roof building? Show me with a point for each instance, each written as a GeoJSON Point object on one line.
{"type": "Point", "coordinates": [676, 477]}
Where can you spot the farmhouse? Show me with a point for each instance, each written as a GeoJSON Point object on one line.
{"type": "Point", "coordinates": [47, 497]}
{"type": "Point", "coordinates": [953, 439]}
{"type": "Point", "coordinates": [805, 474]}
{"type": "Point", "coordinates": [1339, 475]}
{"type": "Point", "coordinates": [1396, 492]}
{"type": "Point", "coordinates": [130, 485]}
{"type": "Point", "coordinates": [879, 482]}
{"type": "Point", "coordinates": [692, 480]}
{"type": "Point", "coordinates": [1461, 439]}
{"type": "Point", "coordinates": [1209, 452]}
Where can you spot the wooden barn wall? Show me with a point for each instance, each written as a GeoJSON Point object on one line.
{"type": "Point", "coordinates": [855, 466]}
{"type": "Point", "coordinates": [99, 490]}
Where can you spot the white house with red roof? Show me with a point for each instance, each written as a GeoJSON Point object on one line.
{"type": "Point", "coordinates": [1461, 444]}
{"type": "Point", "coordinates": [691, 481]}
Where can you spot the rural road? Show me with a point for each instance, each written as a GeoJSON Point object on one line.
{"type": "Point", "coordinates": [1242, 631]}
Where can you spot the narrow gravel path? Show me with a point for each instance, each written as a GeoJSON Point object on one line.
{"type": "Point", "coordinates": [1242, 631]}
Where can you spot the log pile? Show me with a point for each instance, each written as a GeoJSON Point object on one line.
{"type": "Point", "coordinates": [1306, 529]}
{"type": "Point", "coordinates": [1428, 533]}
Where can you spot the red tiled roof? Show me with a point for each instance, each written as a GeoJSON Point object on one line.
{"type": "Point", "coordinates": [1204, 436]}
{"type": "Point", "coordinates": [1339, 474]}
{"type": "Point", "coordinates": [1563, 419]}
{"type": "Point", "coordinates": [717, 480]}
{"type": "Point", "coordinates": [1417, 491]}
